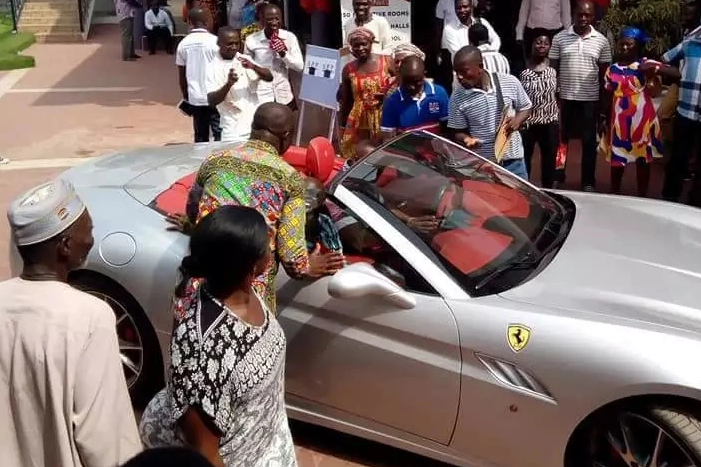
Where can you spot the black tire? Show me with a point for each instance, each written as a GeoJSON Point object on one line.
{"type": "Point", "coordinates": [149, 380]}
{"type": "Point", "coordinates": [606, 445]}
{"type": "Point", "coordinates": [685, 426]}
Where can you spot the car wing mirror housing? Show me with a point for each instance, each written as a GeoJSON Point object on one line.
{"type": "Point", "coordinates": [362, 280]}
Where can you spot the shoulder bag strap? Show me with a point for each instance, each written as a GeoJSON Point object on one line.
{"type": "Point", "coordinates": [500, 98]}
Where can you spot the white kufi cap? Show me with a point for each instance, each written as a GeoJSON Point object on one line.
{"type": "Point", "coordinates": [44, 212]}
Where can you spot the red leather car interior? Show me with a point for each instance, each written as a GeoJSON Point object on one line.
{"type": "Point", "coordinates": [471, 248]}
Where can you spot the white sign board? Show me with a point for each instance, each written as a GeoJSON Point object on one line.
{"type": "Point", "coordinates": [320, 77]}
{"type": "Point", "coordinates": [396, 12]}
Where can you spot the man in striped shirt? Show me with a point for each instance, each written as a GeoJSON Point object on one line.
{"type": "Point", "coordinates": [494, 61]}
{"type": "Point", "coordinates": [475, 110]}
{"type": "Point", "coordinates": [581, 55]}
{"type": "Point", "coordinates": [686, 130]}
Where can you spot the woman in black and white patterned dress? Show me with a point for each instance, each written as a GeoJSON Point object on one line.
{"type": "Point", "coordinates": [539, 80]}
{"type": "Point", "coordinates": [225, 392]}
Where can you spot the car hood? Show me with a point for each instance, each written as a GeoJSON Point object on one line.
{"type": "Point", "coordinates": [628, 258]}
{"type": "Point", "coordinates": [143, 173]}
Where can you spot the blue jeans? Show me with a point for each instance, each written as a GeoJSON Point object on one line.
{"type": "Point", "coordinates": [516, 167]}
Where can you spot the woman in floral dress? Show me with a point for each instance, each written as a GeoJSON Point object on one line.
{"type": "Point", "coordinates": [225, 394]}
{"type": "Point", "coordinates": [364, 81]}
{"type": "Point", "coordinates": [633, 130]}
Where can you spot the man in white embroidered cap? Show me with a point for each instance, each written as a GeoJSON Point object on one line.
{"type": "Point", "coordinates": [63, 394]}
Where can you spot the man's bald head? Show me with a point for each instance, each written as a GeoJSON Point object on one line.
{"type": "Point", "coordinates": [197, 17]}
{"type": "Point", "coordinates": [467, 55]}
{"type": "Point", "coordinates": [312, 183]}
{"type": "Point", "coordinates": [270, 7]}
{"type": "Point", "coordinates": [468, 66]}
{"type": "Point", "coordinates": [272, 123]}
{"type": "Point", "coordinates": [583, 16]}
{"type": "Point", "coordinates": [229, 42]}
{"type": "Point", "coordinates": [412, 73]}
{"type": "Point", "coordinates": [228, 31]}
{"type": "Point", "coordinates": [588, 4]}
{"type": "Point", "coordinates": [412, 65]}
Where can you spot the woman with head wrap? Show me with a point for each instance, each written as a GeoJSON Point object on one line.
{"type": "Point", "coordinates": [632, 130]}
{"type": "Point", "coordinates": [399, 53]}
{"type": "Point", "coordinates": [363, 83]}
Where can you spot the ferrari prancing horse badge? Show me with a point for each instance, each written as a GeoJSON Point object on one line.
{"type": "Point", "coordinates": [518, 335]}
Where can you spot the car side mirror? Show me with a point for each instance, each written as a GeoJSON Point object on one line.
{"type": "Point", "coordinates": [360, 280]}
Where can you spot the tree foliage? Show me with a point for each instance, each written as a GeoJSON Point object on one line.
{"type": "Point", "coordinates": [660, 19]}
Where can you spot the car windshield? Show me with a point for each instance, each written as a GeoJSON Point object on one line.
{"type": "Point", "coordinates": [482, 223]}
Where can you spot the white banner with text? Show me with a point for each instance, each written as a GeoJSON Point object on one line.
{"type": "Point", "coordinates": [396, 12]}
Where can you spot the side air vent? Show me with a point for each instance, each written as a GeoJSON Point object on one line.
{"type": "Point", "coordinates": [510, 374]}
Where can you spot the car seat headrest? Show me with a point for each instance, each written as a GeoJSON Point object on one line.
{"type": "Point", "coordinates": [320, 158]}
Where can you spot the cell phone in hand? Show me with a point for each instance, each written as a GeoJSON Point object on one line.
{"type": "Point", "coordinates": [185, 108]}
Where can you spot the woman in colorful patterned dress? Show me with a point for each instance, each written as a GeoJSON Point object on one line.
{"type": "Point", "coordinates": [363, 82]}
{"type": "Point", "coordinates": [225, 394]}
{"type": "Point", "coordinates": [633, 130]}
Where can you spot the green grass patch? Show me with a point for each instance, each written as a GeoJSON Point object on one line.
{"type": "Point", "coordinates": [5, 28]}
{"type": "Point", "coordinates": [11, 45]}
{"type": "Point", "coordinates": [15, 43]}
{"type": "Point", "coordinates": [15, 62]}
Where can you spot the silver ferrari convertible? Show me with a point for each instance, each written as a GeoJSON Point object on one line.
{"type": "Point", "coordinates": [532, 328]}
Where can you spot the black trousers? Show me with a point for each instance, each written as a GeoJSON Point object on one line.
{"type": "Point", "coordinates": [686, 145]}
{"type": "Point", "coordinates": [547, 138]}
{"type": "Point", "coordinates": [156, 34]}
{"type": "Point", "coordinates": [580, 120]}
{"type": "Point", "coordinates": [204, 119]}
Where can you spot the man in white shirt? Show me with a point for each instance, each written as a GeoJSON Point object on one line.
{"type": "Point", "coordinates": [63, 393]}
{"type": "Point", "coordinates": [277, 50]}
{"type": "Point", "coordinates": [551, 15]}
{"type": "Point", "coordinates": [363, 17]}
{"type": "Point", "coordinates": [195, 52]}
{"type": "Point", "coordinates": [232, 79]}
{"type": "Point", "coordinates": [158, 26]}
{"type": "Point", "coordinates": [455, 34]}
{"type": "Point", "coordinates": [444, 14]}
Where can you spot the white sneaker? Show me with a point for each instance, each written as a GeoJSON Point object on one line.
{"type": "Point", "coordinates": [4, 160]}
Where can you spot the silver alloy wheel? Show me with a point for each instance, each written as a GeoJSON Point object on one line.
{"type": "Point", "coordinates": [638, 441]}
{"type": "Point", "coordinates": [131, 348]}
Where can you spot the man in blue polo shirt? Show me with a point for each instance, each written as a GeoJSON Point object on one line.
{"type": "Point", "coordinates": [416, 104]}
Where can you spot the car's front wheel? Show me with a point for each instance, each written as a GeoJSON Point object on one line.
{"type": "Point", "coordinates": [654, 437]}
{"type": "Point", "coordinates": [138, 344]}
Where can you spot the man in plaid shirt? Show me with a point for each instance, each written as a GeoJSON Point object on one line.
{"type": "Point", "coordinates": [687, 122]}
